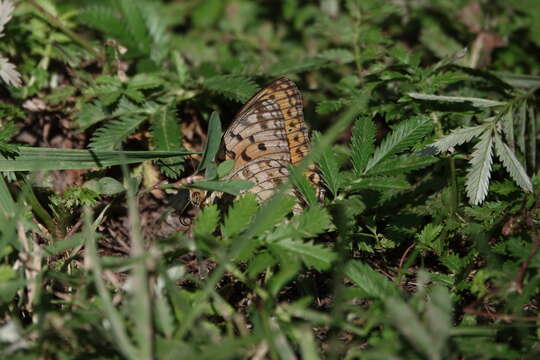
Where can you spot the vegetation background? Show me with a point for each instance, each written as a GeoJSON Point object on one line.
{"type": "Point", "coordinates": [425, 247]}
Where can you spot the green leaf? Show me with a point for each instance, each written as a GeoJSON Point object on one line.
{"type": "Point", "coordinates": [239, 215]}
{"type": "Point", "coordinates": [106, 20]}
{"type": "Point", "coordinates": [111, 136]}
{"type": "Point", "coordinates": [312, 255]}
{"type": "Point", "coordinates": [211, 147]}
{"type": "Point", "coordinates": [428, 237]}
{"type": "Point", "coordinates": [303, 185]}
{"type": "Point", "coordinates": [363, 136]}
{"type": "Point", "coordinates": [206, 222]}
{"type": "Point", "coordinates": [230, 186]}
{"type": "Point", "coordinates": [167, 136]}
{"type": "Point", "coordinates": [329, 168]}
{"type": "Point", "coordinates": [34, 159]}
{"type": "Point", "coordinates": [60, 246]}
{"type": "Point", "coordinates": [312, 221]}
{"type": "Point", "coordinates": [402, 164]}
{"type": "Point", "coordinates": [234, 87]}
{"type": "Point", "coordinates": [403, 136]}
{"type": "Point", "coordinates": [410, 326]}
{"type": "Point", "coordinates": [271, 212]}
{"type": "Point", "coordinates": [207, 13]}
{"type": "Point", "coordinates": [292, 66]}
{"type": "Point", "coordinates": [458, 137]}
{"type": "Point", "coordinates": [381, 183]}
{"type": "Point", "coordinates": [512, 164]}
{"type": "Point", "coordinates": [90, 114]}
{"type": "Point", "coordinates": [145, 81]}
{"type": "Point", "coordinates": [373, 284]}
{"type": "Point", "coordinates": [105, 186]}
{"type": "Point", "coordinates": [476, 102]}
{"type": "Point", "coordinates": [225, 168]}
{"type": "Point", "coordinates": [479, 171]}
{"type": "Point", "coordinates": [136, 24]}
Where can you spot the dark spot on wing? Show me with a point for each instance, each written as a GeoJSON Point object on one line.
{"type": "Point", "coordinates": [245, 156]}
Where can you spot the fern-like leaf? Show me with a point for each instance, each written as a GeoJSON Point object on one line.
{"type": "Point", "coordinates": [313, 255]}
{"type": "Point", "coordinates": [512, 164]}
{"type": "Point", "coordinates": [239, 88]}
{"type": "Point", "coordinates": [479, 173]}
{"type": "Point", "coordinates": [401, 165]}
{"type": "Point", "coordinates": [292, 66]}
{"type": "Point", "coordinates": [458, 137]}
{"type": "Point", "coordinates": [402, 137]}
{"type": "Point", "coordinates": [90, 114]}
{"type": "Point", "coordinates": [329, 167]}
{"type": "Point", "coordinates": [106, 19]}
{"type": "Point", "coordinates": [111, 136]}
{"type": "Point", "coordinates": [135, 22]}
{"type": "Point", "coordinates": [167, 136]}
{"type": "Point", "coordinates": [239, 215]}
{"type": "Point", "coordinates": [363, 136]}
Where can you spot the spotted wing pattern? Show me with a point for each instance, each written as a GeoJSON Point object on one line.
{"type": "Point", "coordinates": [267, 135]}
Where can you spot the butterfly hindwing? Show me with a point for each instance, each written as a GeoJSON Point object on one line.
{"type": "Point", "coordinates": [267, 135]}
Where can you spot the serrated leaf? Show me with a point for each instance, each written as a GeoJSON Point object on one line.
{"type": "Point", "coordinates": [402, 164]}
{"type": "Point", "coordinates": [363, 136]}
{"type": "Point", "coordinates": [136, 24]}
{"type": "Point", "coordinates": [234, 87]}
{"type": "Point", "coordinates": [429, 235]}
{"type": "Point", "coordinates": [239, 215]}
{"type": "Point", "coordinates": [271, 212]}
{"type": "Point", "coordinates": [403, 136]}
{"type": "Point", "coordinates": [512, 165]}
{"type": "Point", "coordinates": [479, 171]}
{"type": "Point", "coordinates": [9, 73]}
{"type": "Point", "coordinates": [303, 185]}
{"type": "Point", "coordinates": [206, 222]}
{"type": "Point", "coordinates": [134, 95]}
{"type": "Point", "coordinates": [112, 135]}
{"type": "Point", "coordinates": [329, 106]}
{"type": "Point", "coordinates": [90, 114]}
{"type": "Point", "coordinates": [167, 136]}
{"type": "Point", "coordinates": [373, 284]}
{"type": "Point", "coordinates": [329, 168]}
{"type": "Point", "coordinates": [106, 20]}
{"type": "Point", "coordinates": [108, 93]}
{"type": "Point", "coordinates": [458, 137]}
{"type": "Point", "coordinates": [312, 255]}
{"type": "Point", "coordinates": [312, 221]}
{"type": "Point", "coordinates": [145, 81]}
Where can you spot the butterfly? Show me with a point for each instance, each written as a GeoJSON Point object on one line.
{"type": "Point", "coordinates": [268, 135]}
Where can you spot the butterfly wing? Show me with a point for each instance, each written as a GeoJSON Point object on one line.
{"type": "Point", "coordinates": [270, 125]}
{"type": "Point", "coordinates": [267, 135]}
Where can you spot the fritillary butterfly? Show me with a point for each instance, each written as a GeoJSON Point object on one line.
{"type": "Point", "coordinates": [267, 135]}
